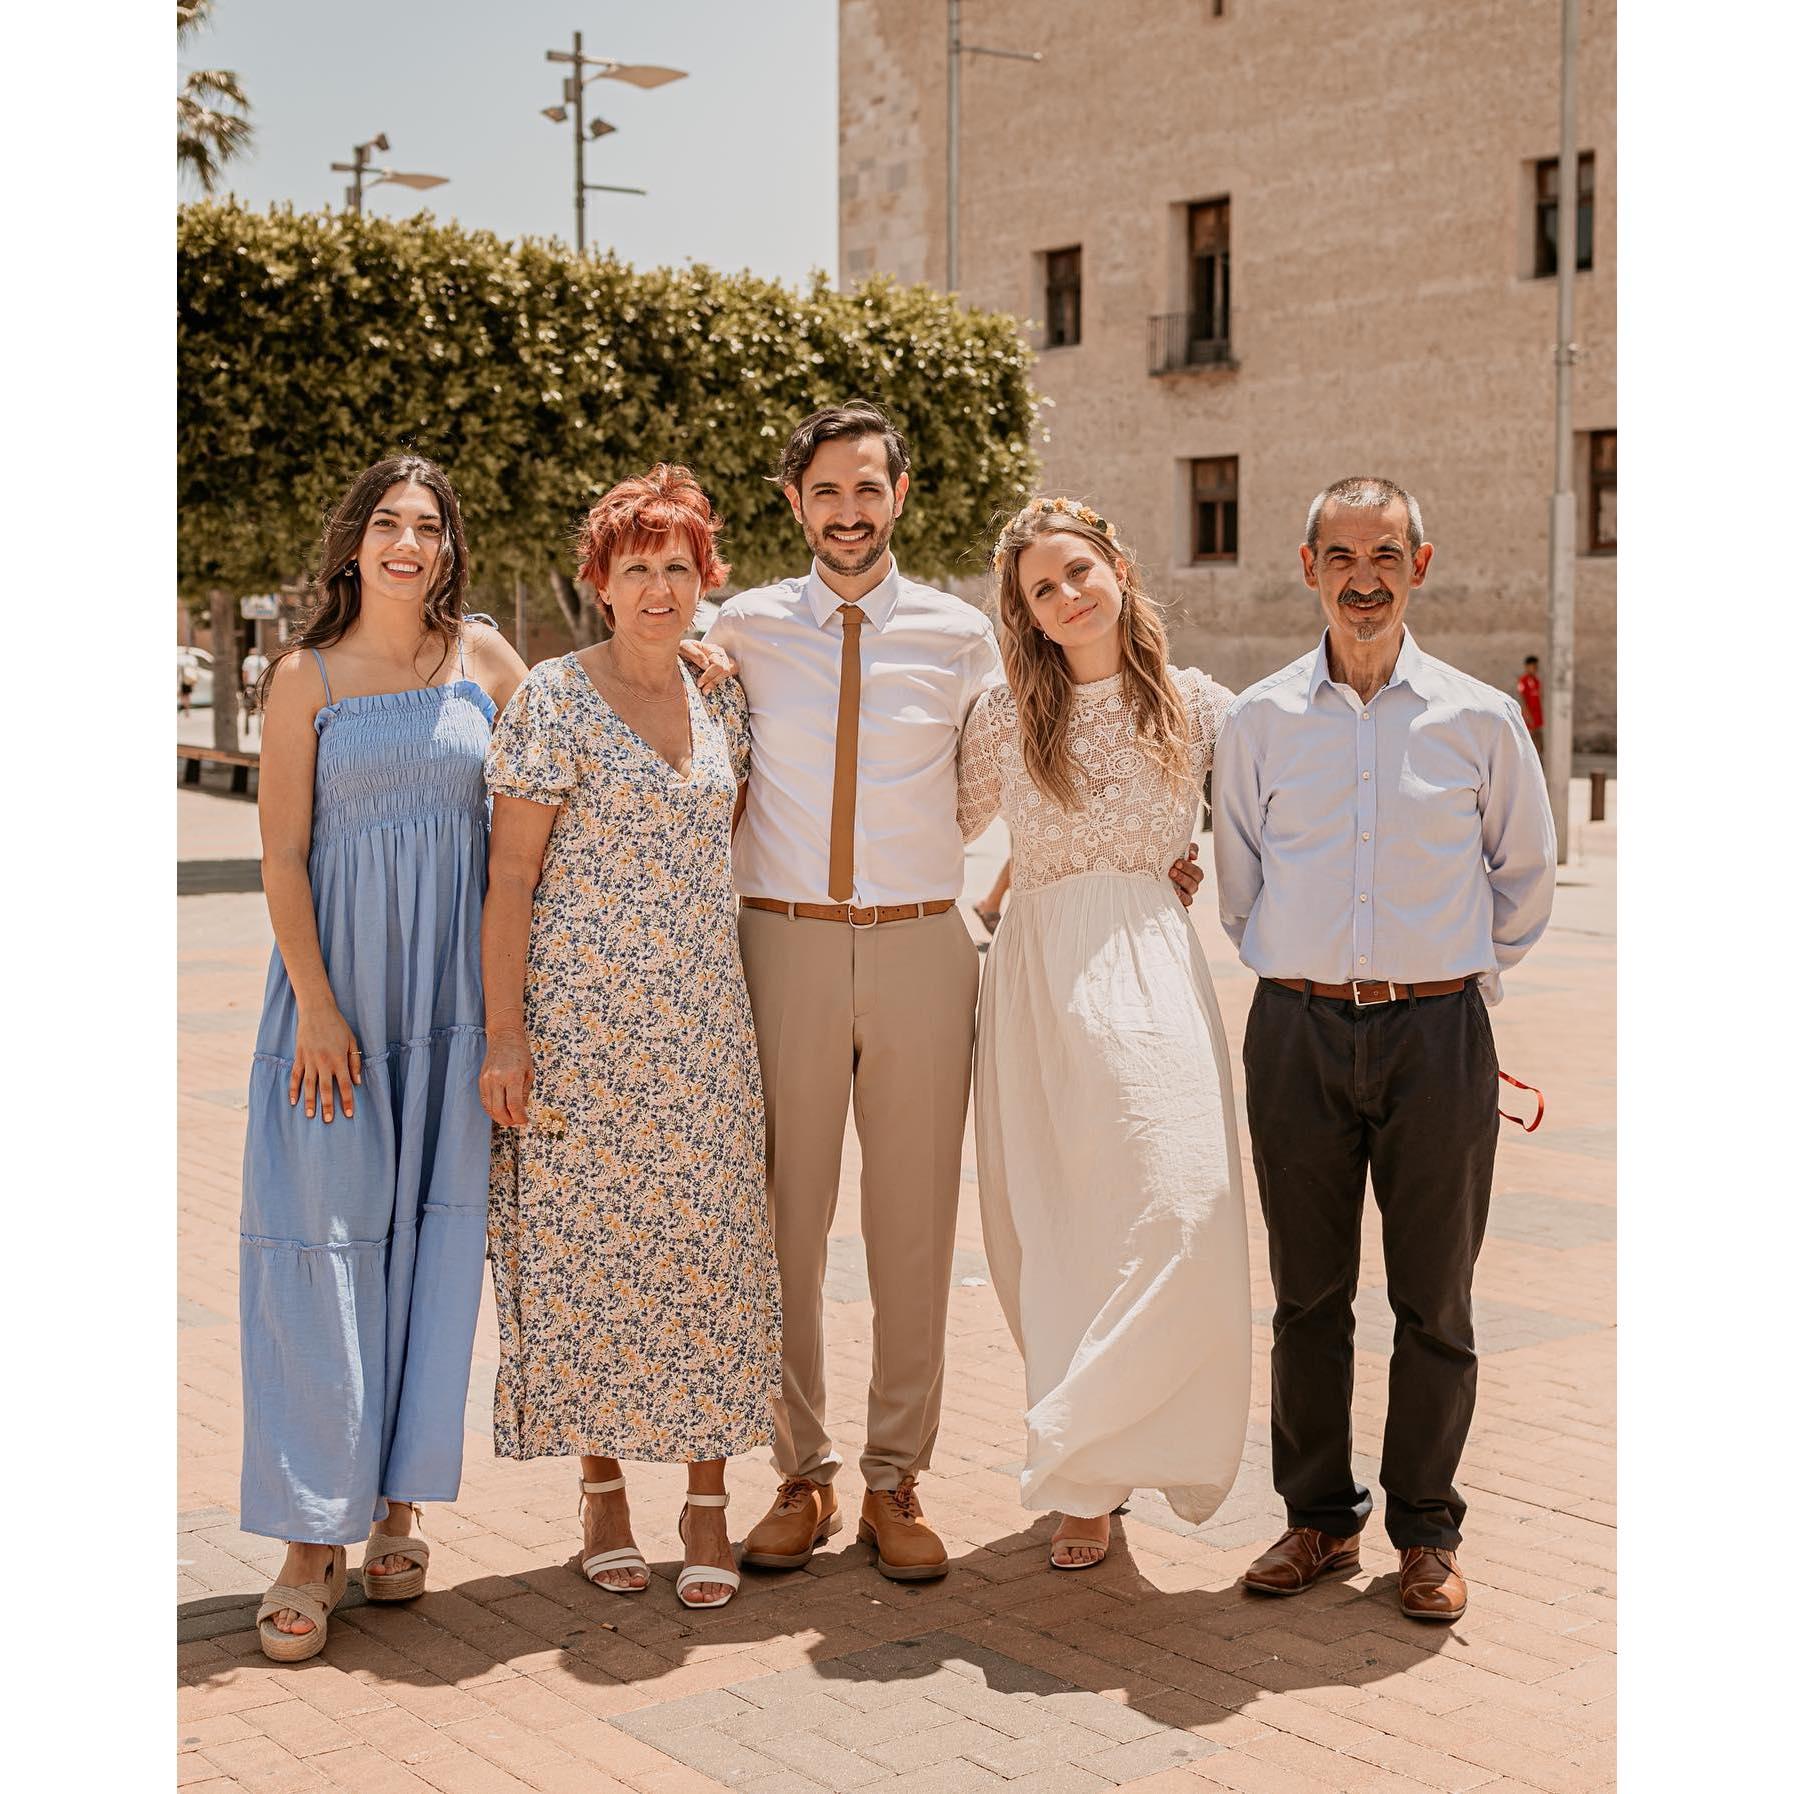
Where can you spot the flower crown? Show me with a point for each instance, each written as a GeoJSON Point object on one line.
{"type": "Point", "coordinates": [1039, 506]}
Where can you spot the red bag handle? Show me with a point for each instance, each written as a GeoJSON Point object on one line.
{"type": "Point", "coordinates": [1525, 1126]}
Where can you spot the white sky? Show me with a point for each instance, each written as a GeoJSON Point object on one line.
{"type": "Point", "coordinates": [738, 159]}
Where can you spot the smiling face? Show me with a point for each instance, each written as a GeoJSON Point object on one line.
{"type": "Point", "coordinates": [848, 506]}
{"type": "Point", "coordinates": [1072, 593]}
{"type": "Point", "coordinates": [400, 546]}
{"type": "Point", "coordinates": [1364, 570]}
{"type": "Point", "coordinates": [652, 588]}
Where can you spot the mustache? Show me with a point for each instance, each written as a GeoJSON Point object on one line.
{"type": "Point", "coordinates": [1378, 597]}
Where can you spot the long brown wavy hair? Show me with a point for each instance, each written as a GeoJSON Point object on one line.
{"type": "Point", "coordinates": [336, 589]}
{"type": "Point", "coordinates": [1041, 681]}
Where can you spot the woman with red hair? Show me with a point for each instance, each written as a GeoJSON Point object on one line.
{"type": "Point", "coordinates": [632, 1260]}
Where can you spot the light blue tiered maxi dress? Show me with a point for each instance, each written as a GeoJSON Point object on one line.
{"type": "Point", "coordinates": [363, 1241]}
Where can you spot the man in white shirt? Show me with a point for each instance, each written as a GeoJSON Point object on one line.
{"type": "Point", "coordinates": [1384, 850]}
{"type": "Point", "coordinates": [864, 982]}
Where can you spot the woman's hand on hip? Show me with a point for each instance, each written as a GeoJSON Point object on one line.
{"type": "Point", "coordinates": [506, 1077]}
{"type": "Point", "coordinates": [326, 1064]}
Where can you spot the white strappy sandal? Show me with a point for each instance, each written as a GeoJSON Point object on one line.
{"type": "Point", "coordinates": [696, 1573]}
{"type": "Point", "coordinates": [626, 1557]}
{"type": "Point", "coordinates": [397, 1585]}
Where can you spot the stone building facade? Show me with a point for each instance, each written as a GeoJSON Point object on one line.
{"type": "Point", "coordinates": [1261, 244]}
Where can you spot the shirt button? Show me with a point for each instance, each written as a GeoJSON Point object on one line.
{"type": "Point", "coordinates": [1363, 897]}
{"type": "Point", "coordinates": [1362, 960]}
{"type": "Point", "coordinates": [1365, 836]}
{"type": "Point", "coordinates": [1367, 775]}
{"type": "Point", "coordinates": [1364, 716]}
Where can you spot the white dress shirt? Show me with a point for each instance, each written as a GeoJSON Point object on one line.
{"type": "Point", "coordinates": [1407, 838]}
{"type": "Point", "coordinates": [924, 658]}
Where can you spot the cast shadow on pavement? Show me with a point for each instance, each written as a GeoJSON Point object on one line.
{"type": "Point", "coordinates": [1002, 1627]}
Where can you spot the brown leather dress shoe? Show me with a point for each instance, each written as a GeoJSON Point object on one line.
{"type": "Point", "coordinates": [1431, 1587]}
{"type": "Point", "coordinates": [904, 1546]}
{"type": "Point", "coordinates": [802, 1515]}
{"type": "Point", "coordinates": [1300, 1558]}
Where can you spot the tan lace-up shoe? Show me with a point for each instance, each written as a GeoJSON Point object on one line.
{"type": "Point", "coordinates": [904, 1546]}
{"type": "Point", "coordinates": [1432, 1586]}
{"type": "Point", "coordinates": [1298, 1560]}
{"type": "Point", "coordinates": [802, 1515]}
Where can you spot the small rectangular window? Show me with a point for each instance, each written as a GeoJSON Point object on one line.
{"type": "Point", "coordinates": [1211, 280]}
{"type": "Point", "coordinates": [1603, 491]}
{"type": "Point", "coordinates": [1215, 509]}
{"type": "Point", "coordinates": [1064, 297]}
{"type": "Point", "coordinates": [1544, 214]}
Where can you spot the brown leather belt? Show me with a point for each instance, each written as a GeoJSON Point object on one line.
{"type": "Point", "coordinates": [1366, 992]}
{"type": "Point", "coordinates": [869, 917]}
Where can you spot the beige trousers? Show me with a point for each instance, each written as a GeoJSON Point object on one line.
{"type": "Point", "coordinates": [882, 1015]}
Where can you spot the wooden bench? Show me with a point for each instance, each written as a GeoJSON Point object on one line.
{"type": "Point", "coordinates": [1597, 769]}
{"type": "Point", "coordinates": [192, 758]}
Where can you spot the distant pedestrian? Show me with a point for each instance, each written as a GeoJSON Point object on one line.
{"type": "Point", "coordinates": [255, 664]}
{"type": "Point", "coordinates": [1384, 851]}
{"type": "Point", "coordinates": [184, 682]}
{"type": "Point", "coordinates": [364, 1210]}
{"type": "Point", "coordinates": [1532, 703]}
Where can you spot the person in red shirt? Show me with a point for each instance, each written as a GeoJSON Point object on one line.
{"type": "Point", "coordinates": [1532, 703]}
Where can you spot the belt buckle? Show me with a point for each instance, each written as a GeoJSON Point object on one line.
{"type": "Point", "coordinates": [851, 923]}
{"type": "Point", "coordinates": [1388, 995]}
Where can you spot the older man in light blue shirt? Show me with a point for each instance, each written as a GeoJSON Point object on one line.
{"type": "Point", "coordinates": [1384, 851]}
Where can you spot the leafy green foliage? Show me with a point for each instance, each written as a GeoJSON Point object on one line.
{"type": "Point", "coordinates": [313, 343]}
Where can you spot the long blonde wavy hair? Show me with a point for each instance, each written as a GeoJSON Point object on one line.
{"type": "Point", "coordinates": [1041, 681]}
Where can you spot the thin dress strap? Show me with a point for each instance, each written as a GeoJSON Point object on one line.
{"type": "Point", "coordinates": [461, 649]}
{"type": "Point", "coordinates": [324, 674]}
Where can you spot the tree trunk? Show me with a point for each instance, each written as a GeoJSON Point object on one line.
{"type": "Point", "coordinates": [227, 670]}
{"type": "Point", "coordinates": [580, 616]}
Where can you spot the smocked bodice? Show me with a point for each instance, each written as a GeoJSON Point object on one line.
{"type": "Point", "coordinates": [401, 756]}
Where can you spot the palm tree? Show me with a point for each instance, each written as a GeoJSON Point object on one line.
{"type": "Point", "coordinates": [207, 136]}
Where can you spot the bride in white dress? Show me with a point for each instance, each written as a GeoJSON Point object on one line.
{"type": "Point", "coordinates": [1108, 1157]}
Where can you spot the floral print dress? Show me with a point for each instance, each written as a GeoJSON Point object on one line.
{"type": "Point", "coordinates": [631, 1244]}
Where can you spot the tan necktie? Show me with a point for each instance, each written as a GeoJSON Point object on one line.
{"type": "Point", "coordinates": [847, 759]}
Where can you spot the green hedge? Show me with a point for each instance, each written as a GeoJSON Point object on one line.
{"type": "Point", "coordinates": [312, 343]}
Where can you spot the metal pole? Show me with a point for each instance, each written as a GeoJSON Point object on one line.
{"type": "Point", "coordinates": [952, 146]}
{"type": "Point", "coordinates": [1560, 608]}
{"type": "Point", "coordinates": [361, 162]}
{"type": "Point", "coordinates": [579, 144]}
{"type": "Point", "coordinates": [521, 628]}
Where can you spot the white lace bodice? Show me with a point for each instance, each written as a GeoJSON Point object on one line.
{"type": "Point", "coordinates": [1133, 821]}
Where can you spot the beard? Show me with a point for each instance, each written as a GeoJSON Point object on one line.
{"type": "Point", "coordinates": [1367, 628]}
{"type": "Point", "coordinates": [846, 559]}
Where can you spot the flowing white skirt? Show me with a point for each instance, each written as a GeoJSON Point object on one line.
{"type": "Point", "coordinates": [1109, 1178]}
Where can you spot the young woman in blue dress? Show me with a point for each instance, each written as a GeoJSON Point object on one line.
{"type": "Point", "coordinates": [365, 1164]}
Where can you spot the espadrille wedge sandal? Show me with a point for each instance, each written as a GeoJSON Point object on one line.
{"type": "Point", "coordinates": [312, 1601]}
{"type": "Point", "coordinates": [693, 1574]}
{"type": "Point", "coordinates": [396, 1585]}
{"type": "Point", "coordinates": [625, 1558]}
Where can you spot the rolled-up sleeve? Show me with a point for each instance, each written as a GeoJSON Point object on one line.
{"type": "Point", "coordinates": [1238, 812]}
{"type": "Point", "coordinates": [1519, 840]}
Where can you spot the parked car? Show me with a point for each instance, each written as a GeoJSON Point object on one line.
{"type": "Point", "coordinates": [195, 663]}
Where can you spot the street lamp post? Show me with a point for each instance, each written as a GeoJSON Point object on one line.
{"type": "Point", "coordinates": [1560, 603]}
{"type": "Point", "coordinates": [955, 50]}
{"type": "Point", "coordinates": [361, 168]}
{"type": "Point", "coordinates": [604, 68]}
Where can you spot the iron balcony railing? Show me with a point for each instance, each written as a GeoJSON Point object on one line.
{"type": "Point", "coordinates": [1181, 340]}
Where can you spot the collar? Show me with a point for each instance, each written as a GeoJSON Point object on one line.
{"type": "Point", "coordinates": [1410, 666]}
{"type": "Point", "coordinates": [878, 604]}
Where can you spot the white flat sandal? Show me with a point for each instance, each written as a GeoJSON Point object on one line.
{"type": "Point", "coordinates": [696, 1573]}
{"type": "Point", "coordinates": [625, 1558]}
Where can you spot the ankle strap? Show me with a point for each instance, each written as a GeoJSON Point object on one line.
{"type": "Point", "coordinates": [600, 1488]}
{"type": "Point", "coordinates": [706, 1500]}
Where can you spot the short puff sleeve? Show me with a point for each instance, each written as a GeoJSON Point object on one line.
{"type": "Point", "coordinates": [531, 755]}
{"type": "Point", "coordinates": [1206, 702]}
{"type": "Point", "coordinates": [727, 704]}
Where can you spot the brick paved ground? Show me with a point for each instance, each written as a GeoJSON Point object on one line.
{"type": "Point", "coordinates": [1150, 1672]}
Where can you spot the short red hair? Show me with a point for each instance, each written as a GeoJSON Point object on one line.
{"type": "Point", "coordinates": [641, 513]}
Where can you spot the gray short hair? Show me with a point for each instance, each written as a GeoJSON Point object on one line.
{"type": "Point", "coordinates": [1365, 492]}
